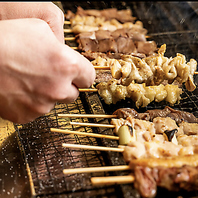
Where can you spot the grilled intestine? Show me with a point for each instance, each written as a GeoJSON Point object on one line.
{"type": "Point", "coordinates": [112, 92]}
{"type": "Point", "coordinates": [154, 159]}
{"type": "Point", "coordinates": [161, 137]}
{"type": "Point", "coordinates": [151, 70]}
{"type": "Point", "coordinates": [158, 139]}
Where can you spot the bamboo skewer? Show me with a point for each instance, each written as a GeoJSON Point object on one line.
{"type": "Point", "coordinates": [67, 31]}
{"type": "Point", "coordinates": [96, 148]}
{"type": "Point", "coordinates": [86, 116]}
{"type": "Point", "coordinates": [92, 124]}
{"type": "Point", "coordinates": [101, 67]}
{"type": "Point", "coordinates": [69, 38]}
{"type": "Point", "coordinates": [67, 22]}
{"type": "Point", "coordinates": [87, 90]}
{"type": "Point", "coordinates": [84, 134]}
{"type": "Point", "coordinates": [96, 169]}
{"type": "Point", "coordinates": [74, 48]}
{"type": "Point", "coordinates": [112, 180]}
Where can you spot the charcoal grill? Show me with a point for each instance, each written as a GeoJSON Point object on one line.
{"type": "Point", "coordinates": [173, 23]}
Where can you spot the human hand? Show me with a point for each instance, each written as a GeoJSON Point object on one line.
{"type": "Point", "coordinates": [46, 11]}
{"type": "Point", "coordinates": [36, 70]}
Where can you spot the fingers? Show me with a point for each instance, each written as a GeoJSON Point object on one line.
{"type": "Point", "coordinates": [55, 19]}
{"type": "Point", "coordinates": [46, 11]}
{"type": "Point", "coordinates": [82, 71]}
{"type": "Point", "coordinates": [71, 95]}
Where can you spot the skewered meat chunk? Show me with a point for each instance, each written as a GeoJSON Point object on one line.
{"type": "Point", "coordinates": [94, 55]}
{"type": "Point", "coordinates": [173, 179]}
{"type": "Point", "coordinates": [141, 94]}
{"type": "Point", "coordinates": [172, 173]}
{"type": "Point", "coordinates": [108, 14]}
{"type": "Point", "coordinates": [177, 115]}
{"type": "Point", "coordinates": [189, 128]}
{"type": "Point", "coordinates": [151, 70]}
{"type": "Point", "coordinates": [156, 149]}
{"type": "Point", "coordinates": [81, 24]}
{"type": "Point", "coordinates": [146, 130]}
{"type": "Point", "coordinates": [187, 140]}
{"type": "Point", "coordinates": [119, 41]}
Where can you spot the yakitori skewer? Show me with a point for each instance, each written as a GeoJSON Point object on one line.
{"type": "Point", "coordinates": [73, 38]}
{"type": "Point", "coordinates": [97, 148]}
{"type": "Point", "coordinates": [84, 134]}
{"type": "Point", "coordinates": [108, 68]}
{"type": "Point", "coordinates": [96, 169]}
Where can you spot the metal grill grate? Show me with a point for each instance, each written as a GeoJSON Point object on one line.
{"type": "Point", "coordinates": [173, 23]}
{"type": "Point", "coordinates": [47, 158]}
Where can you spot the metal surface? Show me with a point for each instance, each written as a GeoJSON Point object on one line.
{"type": "Point", "coordinates": [47, 158]}
{"type": "Point", "coordinates": [173, 23]}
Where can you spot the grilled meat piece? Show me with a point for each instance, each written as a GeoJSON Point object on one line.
{"type": "Point", "coordinates": [119, 41]}
{"type": "Point", "coordinates": [94, 55]}
{"type": "Point", "coordinates": [89, 23]}
{"type": "Point", "coordinates": [177, 115]}
{"type": "Point", "coordinates": [112, 92]}
{"type": "Point", "coordinates": [103, 76]}
{"type": "Point", "coordinates": [156, 149]}
{"type": "Point", "coordinates": [173, 179]}
{"type": "Point", "coordinates": [150, 70]}
{"type": "Point", "coordinates": [108, 14]}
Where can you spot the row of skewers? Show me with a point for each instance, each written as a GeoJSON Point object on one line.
{"type": "Point", "coordinates": [168, 142]}
{"type": "Point", "coordinates": [159, 146]}
{"type": "Point", "coordinates": [141, 76]}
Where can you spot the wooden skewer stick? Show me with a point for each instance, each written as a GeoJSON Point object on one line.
{"type": "Point", "coordinates": [87, 90]}
{"type": "Point", "coordinates": [74, 48]}
{"type": "Point", "coordinates": [69, 38]}
{"type": "Point", "coordinates": [196, 73]}
{"type": "Point", "coordinates": [86, 116]}
{"type": "Point", "coordinates": [84, 134]}
{"type": "Point", "coordinates": [92, 124]}
{"type": "Point", "coordinates": [96, 169]}
{"type": "Point", "coordinates": [101, 67]}
{"type": "Point", "coordinates": [67, 31]}
{"type": "Point", "coordinates": [88, 147]}
{"type": "Point", "coordinates": [112, 180]}
{"type": "Point", "coordinates": [67, 22]}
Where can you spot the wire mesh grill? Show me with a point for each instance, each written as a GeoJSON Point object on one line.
{"type": "Point", "coordinates": [43, 151]}
{"type": "Point", "coordinates": [47, 158]}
